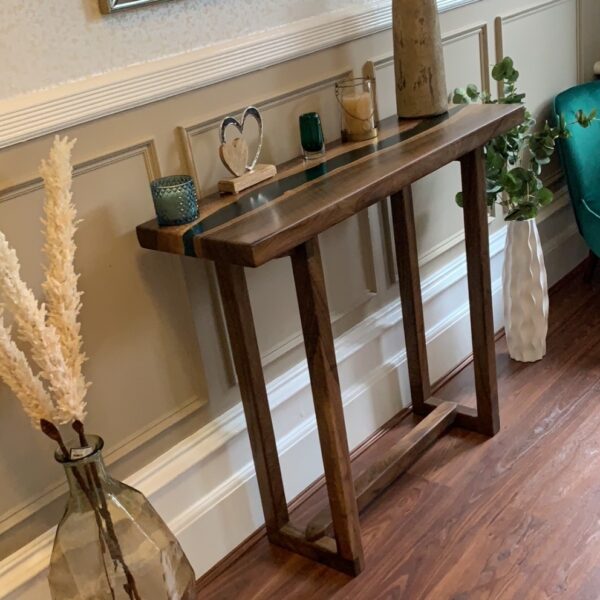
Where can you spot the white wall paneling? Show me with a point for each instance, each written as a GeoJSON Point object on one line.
{"type": "Point", "coordinates": [148, 63]}
{"type": "Point", "coordinates": [467, 57]}
{"type": "Point", "coordinates": [557, 21]}
{"type": "Point", "coordinates": [279, 333]}
{"type": "Point", "coordinates": [553, 20]}
{"type": "Point", "coordinates": [101, 308]}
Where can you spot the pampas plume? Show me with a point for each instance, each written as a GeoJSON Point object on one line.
{"type": "Point", "coordinates": [52, 331]}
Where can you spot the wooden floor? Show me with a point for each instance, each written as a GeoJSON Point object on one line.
{"type": "Point", "coordinates": [514, 517]}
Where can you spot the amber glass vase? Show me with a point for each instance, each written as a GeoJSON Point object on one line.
{"type": "Point", "coordinates": [111, 544]}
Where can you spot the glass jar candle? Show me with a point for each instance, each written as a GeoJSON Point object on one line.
{"type": "Point", "coordinates": [175, 200]}
{"type": "Point", "coordinates": [357, 102]}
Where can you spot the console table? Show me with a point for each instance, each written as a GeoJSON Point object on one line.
{"type": "Point", "coordinates": [283, 218]}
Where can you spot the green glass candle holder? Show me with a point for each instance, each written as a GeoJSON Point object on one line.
{"type": "Point", "coordinates": [311, 136]}
{"type": "Point", "coordinates": [175, 200]}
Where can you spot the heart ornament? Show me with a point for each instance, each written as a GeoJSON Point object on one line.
{"type": "Point", "coordinates": [235, 154]}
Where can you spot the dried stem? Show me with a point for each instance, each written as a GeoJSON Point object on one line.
{"type": "Point", "coordinates": [80, 431]}
{"type": "Point", "coordinates": [115, 547]}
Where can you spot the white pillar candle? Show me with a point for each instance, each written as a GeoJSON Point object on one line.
{"type": "Point", "coordinates": [358, 113]}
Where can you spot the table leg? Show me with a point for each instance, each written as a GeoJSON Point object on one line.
{"type": "Point", "coordinates": [320, 352]}
{"type": "Point", "coordinates": [480, 291]}
{"type": "Point", "coordinates": [240, 325]}
{"type": "Point", "coordinates": [407, 259]}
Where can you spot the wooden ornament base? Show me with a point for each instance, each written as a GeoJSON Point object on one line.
{"type": "Point", "coordinates": [239, 184]}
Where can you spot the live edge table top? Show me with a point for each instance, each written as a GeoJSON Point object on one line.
{"type": "Point", "coordinates": [307, 198]}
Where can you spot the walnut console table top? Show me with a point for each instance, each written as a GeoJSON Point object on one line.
{"type": "Point", "coordinates": [284, 217]}
{"type": "Point", "coordinates": [306, 198]}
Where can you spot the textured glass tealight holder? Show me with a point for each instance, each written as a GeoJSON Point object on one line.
{"type": "Point", "coordinates": [175, 200]}
{"type": "Point", "coordinates": [311, 136]}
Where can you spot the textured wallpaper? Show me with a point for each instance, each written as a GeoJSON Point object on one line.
{"type": "Point", "coordinates": [47, 42]}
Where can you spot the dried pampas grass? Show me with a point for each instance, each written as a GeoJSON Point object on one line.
{"type": "Point", "coordinates": [63, 299]}
{"type": "Point", "coordinates": [51, 331]}
{"type": "Point", "coordinates": [18, 376]}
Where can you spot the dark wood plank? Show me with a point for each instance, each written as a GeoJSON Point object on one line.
{"type": "Point", "coordinates": [407, 260]}
{"type": "Point", "coordinates": [380, 475]}
{"type": "Point", "coordinates": [246, 355]}
{"type": "Point", "coordinates": [480, 290]}
{"type": "Point", "coordinates": [320, 353]}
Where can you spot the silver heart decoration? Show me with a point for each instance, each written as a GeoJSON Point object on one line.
{"type": "Point", "coordinates": [253, 112]}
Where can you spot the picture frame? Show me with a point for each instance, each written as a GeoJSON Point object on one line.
{"type": "Point", "coordinates": [110, 6]}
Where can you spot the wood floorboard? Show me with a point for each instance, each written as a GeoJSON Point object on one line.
{"type": "Point", "coordinates": [513, 517]}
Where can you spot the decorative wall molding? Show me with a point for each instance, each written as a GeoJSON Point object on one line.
{"type": "Point", "coordinates": [480, 30]}
{"type": "Point", "coordinates": [186, 135]}
{"type": "Point", "coordinates": [146, 150]}
{"type": "Point", "coordinates": [372, 69]}
{"type": "Point", "coordinates": [523, 13]}
{"type": "Point", "coordinates": [234, 497]}
{"type": "Point", "coordinates": [33, 115]}
{"type": "Point", "coordinates": [29, 116]}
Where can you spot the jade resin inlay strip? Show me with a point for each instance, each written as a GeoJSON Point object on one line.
{"type": "Point", "coordinates": [272, 191]}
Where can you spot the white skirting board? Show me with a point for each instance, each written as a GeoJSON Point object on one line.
{"type": "Point", "coordinates": [205, 487]}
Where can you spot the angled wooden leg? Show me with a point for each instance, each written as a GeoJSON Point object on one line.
{"type": "Point", "coordinates": [240, 325]}
{"type": "Point", "coordinates": [480, 291]}
{"type": "Point", "coordinates": [320, 352]}
{"type": "Point", "coordinates": [407, 259]}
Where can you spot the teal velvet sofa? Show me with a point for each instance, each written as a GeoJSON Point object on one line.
{"type": "Point", "coordinates": [580, 156]}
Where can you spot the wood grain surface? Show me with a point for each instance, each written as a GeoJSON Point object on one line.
{"type": "Point", "coordinates": [512, 517]}
{"type": "Point", "coordinates": [301, 202]}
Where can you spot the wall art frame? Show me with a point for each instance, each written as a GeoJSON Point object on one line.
{"type": "Point", "coordinates": [110, 6]}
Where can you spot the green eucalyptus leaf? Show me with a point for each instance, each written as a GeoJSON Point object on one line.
{"type": "Point", "coordinates": [472, 91]}
{"type": "Point", "coordinates": [459, 96]}
{"type": "Point", "coordinates": [514, 161]}
{"type": "Point", "coordinates": [544, 197]}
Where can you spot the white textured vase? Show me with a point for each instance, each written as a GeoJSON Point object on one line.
{"type": "Point", "coordinates": [525, 292]}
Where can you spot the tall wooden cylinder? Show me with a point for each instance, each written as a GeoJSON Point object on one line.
{"type": "Point", "coordinates": [419, 59]}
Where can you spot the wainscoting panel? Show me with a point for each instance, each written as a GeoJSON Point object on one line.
{"type": "Point", "coordinates": [524, 35]}
{"type": "Point", "coordinates": [272, 288]}
{"type": "Point", "coordinates": [145, 380]}
{"type": "Point", "coordinates": [467, 59]}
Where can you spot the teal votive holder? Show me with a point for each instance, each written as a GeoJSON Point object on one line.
{"type": "Point", "coordinates": [311, 136]}
{"type": "Point", "coordinates": [175, 200]}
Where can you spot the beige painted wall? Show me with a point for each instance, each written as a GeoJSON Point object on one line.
{"type": "Point", "coordinates": [43, 44]}
{"type": "Point", "coordinates": [152, 323]}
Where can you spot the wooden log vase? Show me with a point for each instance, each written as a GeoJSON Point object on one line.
{"type": "Point", "coordinates": [419, 59]}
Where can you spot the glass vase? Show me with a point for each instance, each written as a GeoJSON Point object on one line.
{"type": "Point", "coordinates": [110, 542]}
